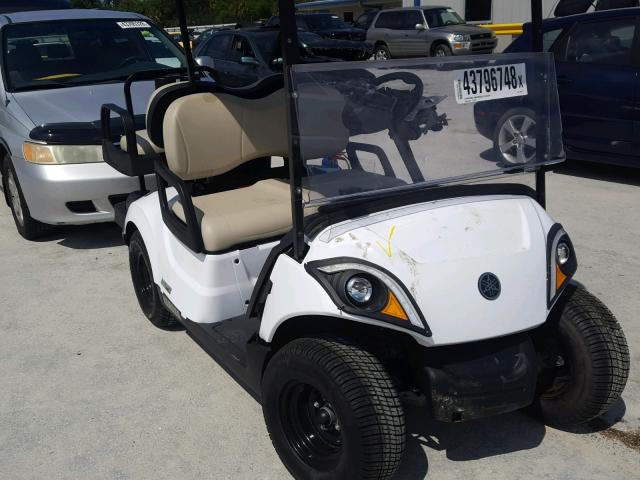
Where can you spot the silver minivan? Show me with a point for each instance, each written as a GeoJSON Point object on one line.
{"type": "Point", "coordinates": [58, 68]}
{"type": "Point", "coordinates": [427, 31]}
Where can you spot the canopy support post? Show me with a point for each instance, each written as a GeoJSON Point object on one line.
{"type": "Point", "coordinates": [537, 45]}
{"type": "Point", "coordinates": [186, 41]}
{"type": "Point", "coordinates": [290, 57]}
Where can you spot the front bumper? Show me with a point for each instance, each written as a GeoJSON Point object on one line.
{"type": "Point", "coordinates": [73, 194]}
{"type": "Point", "coordinates": [474, 47]}
{"type": "Point", "coordinates": [481, 379]}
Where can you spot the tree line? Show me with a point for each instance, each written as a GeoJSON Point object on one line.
{"type": "Point", "coordinates": [199, 12]}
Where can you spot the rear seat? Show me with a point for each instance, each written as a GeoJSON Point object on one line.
{"type": "Point", "coordinates": [206, 135]}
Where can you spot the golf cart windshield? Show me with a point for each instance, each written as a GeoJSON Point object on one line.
{"type": "Point", "coordinates": [372, 128]}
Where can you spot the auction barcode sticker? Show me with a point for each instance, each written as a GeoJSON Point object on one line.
{"type": "Point", "coordinates": [488, 83]}
{"type": "Point", "coordinates": [134, 24]}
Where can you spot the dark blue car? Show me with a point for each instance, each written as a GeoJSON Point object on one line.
{"type": "Point", "coordinates": [598, 71]}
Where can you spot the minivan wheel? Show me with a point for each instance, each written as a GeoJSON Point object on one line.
{"type": "Point", "coordinates": [146, 290]}
{"type": "Point", "coordinates": [442, 50]}
{"type": "Point", "coordinates": [27, 226]}
{"type": "Point", "coordinates": [332, 411]}
{"type": "Point", "coordinates": [586, 360]}
{"type": "Point", "coordinates": [382, 53]}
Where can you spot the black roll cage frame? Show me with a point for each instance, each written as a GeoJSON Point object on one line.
{"type": "Point", "coordinates": [138, 165]}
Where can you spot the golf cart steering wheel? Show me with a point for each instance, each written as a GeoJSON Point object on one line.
{"type": "Point", "coordinates": [407, 100]}
{"type": "Point", "coordinates": [129, 60]}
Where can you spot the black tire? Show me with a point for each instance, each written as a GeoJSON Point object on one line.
{"type": "Point", "coordinates": [442, 50]}
{"type": "Point", "coordinates": [516, 155]}
{"type": "Point", "coordinates": [381, 53]}
{"type": "Point", "coordinates": [28, 227]}
{"type": "Point", "coordinates": [146, 290]}
{"type": "Point", "coordinates": [368, 442]}
{"type": "Point", "coordinates": [594, 365]}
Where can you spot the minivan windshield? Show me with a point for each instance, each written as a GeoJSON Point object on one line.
{"type": "Point", "coordinates": [44, 55]}
{"type": "Point", "coordinates": [441, 17]}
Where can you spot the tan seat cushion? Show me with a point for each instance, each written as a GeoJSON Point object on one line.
{"type": "Point", "coordinates": [145, 145]}
{"type": "Point", "coordinates": [230, 218]}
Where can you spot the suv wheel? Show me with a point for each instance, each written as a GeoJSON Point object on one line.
{"type": "Point", "coordinates": [442, 50]}
{"type": "Point", "coordinates": [26, 225]}
{"type": "Point", "coordinates": [382, 53]}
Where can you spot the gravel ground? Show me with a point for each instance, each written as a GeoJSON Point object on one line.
{"type": "Point", "coordinates": [89, 389]}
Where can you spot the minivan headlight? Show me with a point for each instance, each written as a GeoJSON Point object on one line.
{"type": "Point", "coordinates": [61, 154]}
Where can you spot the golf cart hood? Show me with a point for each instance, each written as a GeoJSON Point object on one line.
{"type": "Point", "coordinates": [439, 250]}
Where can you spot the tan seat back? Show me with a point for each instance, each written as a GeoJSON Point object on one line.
{"type": "Point", "coordinates": [209, 134]}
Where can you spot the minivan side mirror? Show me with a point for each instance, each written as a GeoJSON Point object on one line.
{"type": "Point", "coordinates": [249, 61]}
{"type": "Point", "coordinates": [205, 61]}
{"type": "Point", "coordinates": [421, 26]}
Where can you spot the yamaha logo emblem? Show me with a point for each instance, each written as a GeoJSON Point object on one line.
{"type": "Point", "coordinates": [489, 286]}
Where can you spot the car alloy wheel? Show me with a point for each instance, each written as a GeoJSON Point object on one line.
{"type": "Point", "coordinates": [381, 54]}
{"type": "Point", "coordinates": [517, 139]}
{"type": "Point", "coordinates": [14, 195]}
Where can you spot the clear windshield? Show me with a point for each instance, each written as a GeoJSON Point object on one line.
{"type": "Point", "coordinates": [440, 17]}
{"type": "Point", "coordinates": [371, 127]}
{"type": "Point", "coordinates": [76, 52]}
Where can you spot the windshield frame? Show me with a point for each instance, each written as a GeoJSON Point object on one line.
{"type": "Point", "coordinates": [9, 88]}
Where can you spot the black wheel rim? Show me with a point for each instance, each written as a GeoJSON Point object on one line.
{"type": "Point", "coordinates": [142, 281]}
{"type": "Point", "coordinates": [556, 375]}
{"type": "Point", "coordinates": [311, 426]}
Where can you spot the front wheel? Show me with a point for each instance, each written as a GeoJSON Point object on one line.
{"type": "Point", "coordinates": [332, 411]}
{"type": "Point", "coordinates": [514, 140]}
{"type": "Point", "coordinates": [27, 226]}
{"type": "Point", "coordinates": [586, 360]}
{"type": "Point", "coordinates": [442, 50]}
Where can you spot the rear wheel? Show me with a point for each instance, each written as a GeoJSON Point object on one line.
{"type": "Point", "coordinates": [332, 411]}
{"type": "Point", "coordinates": [381, 53]}
{"type": "Point", "coordinates": [26, 225]}
{"type": "Point", "coordinates": [586, 358]}
{"type": "Point", "coordinates": [146, 290]}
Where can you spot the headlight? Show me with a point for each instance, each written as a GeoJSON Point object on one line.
{"type": "Point", "coordinates": [361, 288]}
{"type": "Point", "coordinates": [61, 154]}
{"type": "Point", "coordinates": [563, 253]}
{"type": "Point", "coordinates": [562, 261]}
{"type": "Point", "coordinates": [461, 38]}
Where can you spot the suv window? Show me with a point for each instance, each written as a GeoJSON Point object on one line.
{"type": "Point", "coordinates": [549, 38]}
{"type": "Point", "coordinates": [240, 47]}
{"type": "Point", "coordinates": [218, 46]}
{"type": "Point", "coordinates": [603, 43]}
{"type": "Point", "coordinates": [388, 20]}
{"type": "Point", "coordinates": [365, 20]}
{"type": "Point", "coordinates": [399, 20]}
{"type": "Point", "coordinates": [410, 19]}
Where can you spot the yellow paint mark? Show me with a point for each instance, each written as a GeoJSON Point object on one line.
{"type": "Point", "coordinates": [387, 249]}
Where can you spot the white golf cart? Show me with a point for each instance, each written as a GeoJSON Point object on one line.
{"type": "Point", "coordinates": [376, 260]}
